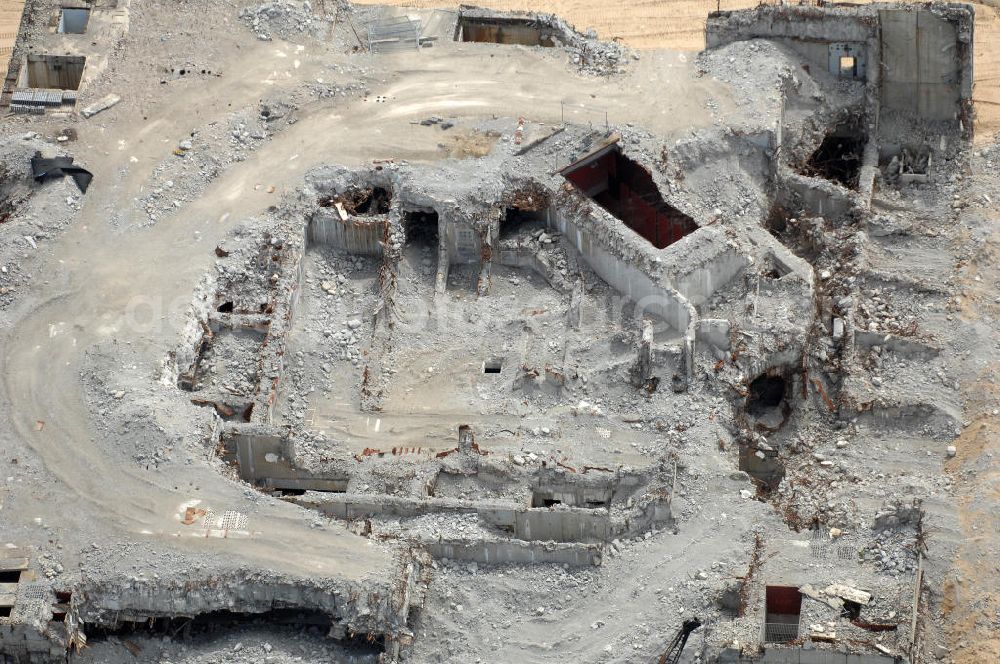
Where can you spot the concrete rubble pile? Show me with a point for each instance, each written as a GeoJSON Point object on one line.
{"type": "Point", "coordinates": [345, 371]}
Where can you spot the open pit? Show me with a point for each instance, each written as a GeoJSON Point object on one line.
{"type": "Point", "coordinates": [420, 335]}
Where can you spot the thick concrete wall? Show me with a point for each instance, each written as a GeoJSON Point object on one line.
{"type": "Point", "coordinates": [808, 30]}
{"type": "Point", "coordinates": [369, 606]}
{"type": "Point", "coordinates": [539, 524]}
{"type": "Point", "coordinates": [821, 197]}
{"type": "Point", "coordinates": [920, 58]}
{"type": "Point", "coordinates": [793, 23]}
{"type": "Point", "coordinates": [702, 263]}
{"type": "Point", "coordinates": [265, 459]}
{"type": "Point", "coordinates": [624, 277]}
{"type": "Point", "coordinates": [515, 552]}
{"type": "Point", "coordinates": [802, 656]}
{"type": "Point", "coordinates": [715, 333]}
{"type": "Point", "coordinates": [927, 67]}
{"type": "Point", "coordinates": [361, 237]}
{"type": "Point", "coordinates": [564, 525]}
{"type": "Point", "coordinates": [357, 506]}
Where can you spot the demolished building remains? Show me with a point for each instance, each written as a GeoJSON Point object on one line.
{"type": "Point", "coordinates": [383, 363]}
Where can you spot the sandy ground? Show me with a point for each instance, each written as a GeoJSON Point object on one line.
{"type": "Point", "coordinates": [98, 275]}
{"type": "Point", "coordinates": [96, 272]}
{"type": "Point", "coordinates": [680, 24]}
{"type": "Point", "coordinates": [970, 600]}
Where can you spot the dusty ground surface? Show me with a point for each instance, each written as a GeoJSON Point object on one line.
{"type": "Point", "coordinates": [680, 25]}
{"type": "Point", "coordinates": [101, 452]}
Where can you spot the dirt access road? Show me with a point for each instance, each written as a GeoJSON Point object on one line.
{"type": "Point", "coordinates": [680, 25]}
{"type": "Point", "coordinates": [97, 272]}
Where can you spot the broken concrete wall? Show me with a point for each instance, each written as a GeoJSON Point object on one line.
{"type": "Point", "coordinates": [24, 643]}
{"type": "Point", "coordinates": [516, 552]}
{"type": "Point", "coordinates": [355, 236]}
{"type": "Point", "coordinates": [266, 458]}
{"type": "Point", "coordinates": [918, 57]}
{"type": "Point", "coordinates": [376, 607]}
{"type": "Point", "coordinates": [821, 198]}
{"type": "Point", "coordinates": [623, 275]}
{"type": "Point", "coordinates": [563, 525]}
{"type": "Point", "coordinates": [702, 263]}
{"type": "Point", "coordinates": [797, 655]}
{"type": "Point", "coordinates": [359, 506]}
{"type": "Point", "coordinates": [714, 333]}
{"type": "Point", "coordinates": [542, 524]}
{"type": "Point", "coordinates": [810, 31]}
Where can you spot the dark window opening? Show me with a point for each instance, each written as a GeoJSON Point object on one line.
{"type": "Point", "coordinates": [5, 611]}
{"type": "Point", "coordinates": [421, 228]}
{"type": "Point", "coordinates": [851, 610]}
{"type": "Point", "coordinates": [10, 576]}
{"type": "Point", "coordinates": [516, 221]}
{"type": "Point", "coordinates": [544, 499]}
{"type": "Point", "coordinates": [58, 616]}
{"type": "Point", "coordinates": [784, 607]}
{"type": "Point", "coordinates": [225, 308]}
{"type": "Point", "coordinates": [525, 32]}
{"type": "Point", "coordinates": [777, 220]}
{"type": "Point", "coordinates": [766, 392]}
{"type": "Point", "coordinates": [73, 21]}
{"type": "Point", "coordinates": [838, 157]}
{"type": "Point", "coordinates": [376, 202]}
{"type": "Point", "coordinates": [63, 72]}
{"type": "Point", "coordinates": [627, 190]}
{"type": "Point", "coordinates": [64, 596]}
{"type": "Point", "coordinates": [492, 366]}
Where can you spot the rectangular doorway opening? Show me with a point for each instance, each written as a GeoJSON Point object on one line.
{"type": "Point", "coordinates": [421, 228]}
{"type": "Point", "coordinates": [784, 608]}
{"type": "Point", "coordinates": [10, 576]}
{"type": "Point", "coordinates": [5, 611]}
{"type": "Point", "coordinates": [516, 221]}
{"type": "Point", "coordinates": [526, 32]}
{"type": "Point", "coordinates": [627, 190]}
{"type": "Point", "coordinates": [63, 72]}
{"type": "Point", "coordinates": [73, 20]}
{"type": "Point", "coordinates": [421, 245]}
{"type": "Point", "coordinates": [492, 366]}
